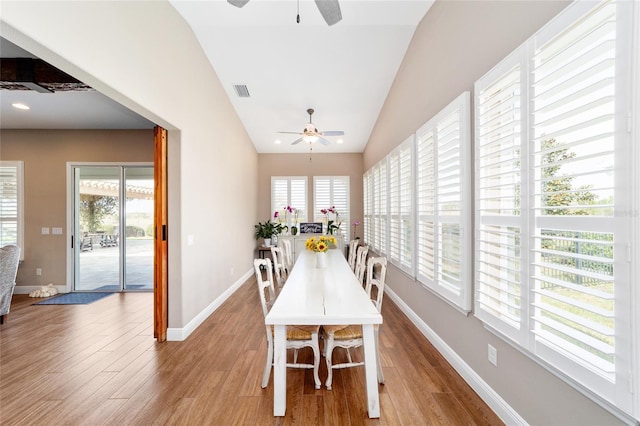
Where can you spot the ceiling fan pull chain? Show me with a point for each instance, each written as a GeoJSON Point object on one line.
{"type": "Point", "coordinates": [298, 17]}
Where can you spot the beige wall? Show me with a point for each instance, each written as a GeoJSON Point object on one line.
{"type": "Point", "coordinates": [455, 44]}
{"type": "Point", "coordinates": [320, 165]}
{"type": "Point", "coordinates": [45, 154]}
{"type": "Point", "coordinates": [132, 51]}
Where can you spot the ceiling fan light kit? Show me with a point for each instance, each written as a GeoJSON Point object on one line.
{"type": "Point", "coordinates": [310, 134]}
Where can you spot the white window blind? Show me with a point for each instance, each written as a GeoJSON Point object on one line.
{"type": "Point", "coordinates": [553, 155]}
{"type": "Point", "coordinates": [332, 191]}
{"type": "Point", "coordinates": [400, 219]}
{"type": "Point", "coordinates": [11, 204]}
{"type": "Point", "coordinates": [289, 191]}
{"type": "Point", "coordinates": [444, 203]}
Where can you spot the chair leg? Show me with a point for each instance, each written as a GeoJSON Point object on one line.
{"type": "Point", "coordinates": [328, 344]}
{"type": "Point", "coordinates": [1, 319]}
{"type": "Point", "coordinates": [268, 364]}
{"type": "Point", "coordinates": [316, 359]}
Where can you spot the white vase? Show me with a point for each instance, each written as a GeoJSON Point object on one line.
{"type": "Point", "coordinates": [267, 242]}
{"type": "Point", "coordinates": [321, 259]}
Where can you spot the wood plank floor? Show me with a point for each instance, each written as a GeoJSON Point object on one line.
{"type": "Point", "coordinates": [98, 364]}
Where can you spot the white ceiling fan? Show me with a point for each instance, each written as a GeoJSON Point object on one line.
{"type": "Point", "coordinates": [310, 134]}
{"type": "Point", "coordinates": [329, 9]}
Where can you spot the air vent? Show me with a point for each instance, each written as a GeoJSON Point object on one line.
{"type": "Point", "coordinates": [241, 90]}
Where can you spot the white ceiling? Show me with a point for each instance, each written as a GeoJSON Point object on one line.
{"type": "Point", "coordinates": [343, 71]}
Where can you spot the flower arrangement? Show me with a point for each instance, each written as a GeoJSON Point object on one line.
{"type": "Point", "coordinates": [331, 224]}
{"type": "Point", "coordinates": [285, 213]}
{"type": "Point", "coordinates": [320, 244]}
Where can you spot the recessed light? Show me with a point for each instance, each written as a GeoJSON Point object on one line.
{"type": "Point", "coordinates": [277, 141]}
{"type": "Point", "coordinates": [339, 141]}
{"type": "Point", "coordinates": [20, 106]}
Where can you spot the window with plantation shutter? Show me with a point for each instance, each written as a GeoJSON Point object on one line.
{"type": "Point", "coordinates": [368, 199]}
{"type": "Point", "coordinates": [380, 201]}
{"type": "Point", "coordinates": [553, 195]}
{"type": "Point", "coordinates": [11, 204]}
{"type": "Point", "coordinates": [499, 124]}
{"type": "Point", "coordinates": [400, 165]}
{"type": "Point", "coordinates": [444, 203]}
{"type": "Point", "coordinates": [289, 191]}
{"type": "Point", "coordinates": [332, 191]}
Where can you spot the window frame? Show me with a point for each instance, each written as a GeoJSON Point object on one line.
{"type": "Point", "coordinates": [19, 167]}
{"type": "Point", "coordinates": [461, 298]}
{"type": "Point", "coordinates": [289, 180]}
{"type": "Point", "coordinates": [344, 210]}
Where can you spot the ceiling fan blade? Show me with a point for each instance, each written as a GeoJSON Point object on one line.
{"type": "Point", "coordinates": [238, 3]}
{"type": "Point", "coordinates": [291, 133]}
{"type": "Point", "coordinates": [323, 141]}
{"type": "Point", "coordinates": [332, 133]}
{"type": "Point", "coordinates": [297, 141]}
{"type": "Point", "coordinates": [330, 11]}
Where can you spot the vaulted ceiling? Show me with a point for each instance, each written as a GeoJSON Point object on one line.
{"type": "Point", "coordinates": [272, 68]}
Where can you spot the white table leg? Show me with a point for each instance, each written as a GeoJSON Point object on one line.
{"type": "Point", "coordinates": [370, 369]}
{"type": "Point", "coordinates": [280, 370]}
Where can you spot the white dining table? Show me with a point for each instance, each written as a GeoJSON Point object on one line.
{"type": "Point", "coordinates": [323, 296]}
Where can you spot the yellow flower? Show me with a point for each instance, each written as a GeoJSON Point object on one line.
{"type": "Point", "coordinates": [319, 244]}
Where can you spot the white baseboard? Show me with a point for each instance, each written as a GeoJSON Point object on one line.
{"type": "Point", "coordinates": [180, 334]}
{"type": "Point", "coordinates": [488, 395]}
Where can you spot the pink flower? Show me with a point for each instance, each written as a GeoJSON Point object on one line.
{"type": "Point", "coordinates": [356, 223]}
{"type": "Point", "coordinates": [275, 215]}
{"type": "Point", "coordinates": [323, 211]}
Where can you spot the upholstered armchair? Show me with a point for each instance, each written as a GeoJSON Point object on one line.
{"type": "Point", "coordinates": [9, 258]}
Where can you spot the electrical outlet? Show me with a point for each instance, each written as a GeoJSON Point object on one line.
{"type": "Point", "coordinates": [38, 271]}
{"type": "Point", "coordinates": [493, 355]}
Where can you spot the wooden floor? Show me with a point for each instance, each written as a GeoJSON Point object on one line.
{"type": "Point", "coordinates": [99, 364]}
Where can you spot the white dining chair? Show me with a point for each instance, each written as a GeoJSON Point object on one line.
{"type": "Point", "coordinates": [277, 255]}
{"type": "Point", "coordinates": [298, 337]}
{"type": "Point", "coordinates": [350, 336]}
{"type": "Point", "coordinates": [353, 247]}
{"type": "Point", "coordinates": [361, 263]}
{"type": "Point", "coordinates": [288, 255]}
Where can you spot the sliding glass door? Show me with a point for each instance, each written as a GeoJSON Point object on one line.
{"type": "Point", "coordinates": [113, 228]}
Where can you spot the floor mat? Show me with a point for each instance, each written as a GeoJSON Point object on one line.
{"type": "Point", "coordinates": [73, 299]}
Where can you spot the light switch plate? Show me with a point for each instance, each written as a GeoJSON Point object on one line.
{"type": "Point", "coordinates": [45, 231]}
{"type": "Point", "coordinates": [56, 231]}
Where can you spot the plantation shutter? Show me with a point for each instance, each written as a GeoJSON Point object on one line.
{"type": "Point", "coordinates": [11, 201]}
{"type": "Point", "coordinates": [400, 165]}
{"type": "Point", "coordinates": [499, 161]}
{"type": "Point", "coordinates": [381, 208]}
{"type": "Point", "coordinates": [574, 107]}
{"type": "Point", "coordinates": [329, 192]}
{"type": "Point", "coordinates": [555, 185]}
{"type": "Point", "coordinates": [444, 203]}
{"type": "Point", "coordinates": [368, 199]}
{"type": "Point", "coordinates": [289, 191]}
